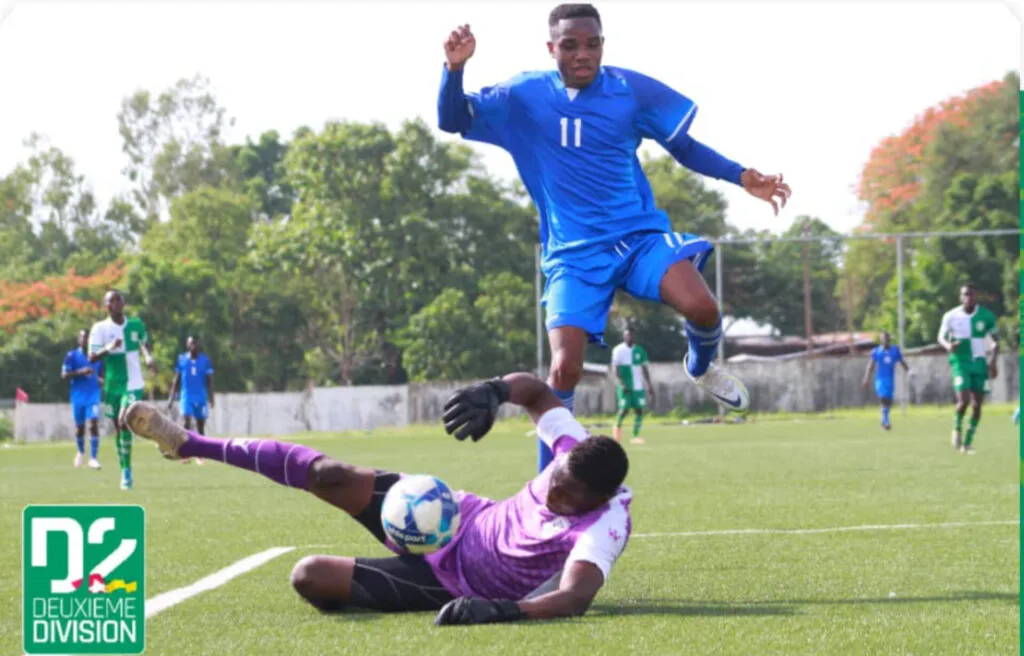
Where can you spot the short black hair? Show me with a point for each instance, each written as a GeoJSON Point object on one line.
{"type": "Point", "coordinates": [969, 285]}
{"type": "Point", "coordinates": [565, 12]}
{"type": "Point", "coordinates": [600, 463]}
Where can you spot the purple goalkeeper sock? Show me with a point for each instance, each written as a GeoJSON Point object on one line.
{"type": "Point", "coordinates": [281, 462]}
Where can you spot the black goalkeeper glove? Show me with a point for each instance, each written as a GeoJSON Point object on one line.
{"type": "Point", "coordinates": [469, 610]}
{"type": "Point", "coordinates": [471, 411]}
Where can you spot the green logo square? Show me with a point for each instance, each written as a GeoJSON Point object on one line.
{"type": "Point", "coordinates": [83, 577]}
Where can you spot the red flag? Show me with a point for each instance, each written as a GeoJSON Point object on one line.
{"type": "Point", "coordinates": [20, 396]}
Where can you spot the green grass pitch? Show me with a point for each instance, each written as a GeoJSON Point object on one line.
{"type": "Point", "coordinates": [925, 590]}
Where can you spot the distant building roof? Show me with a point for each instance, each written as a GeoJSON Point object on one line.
{"type": "Point", "coordinates": [795, 346]}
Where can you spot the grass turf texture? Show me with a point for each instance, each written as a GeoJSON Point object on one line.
{"type": "Point", "coordinates": [952, 590]}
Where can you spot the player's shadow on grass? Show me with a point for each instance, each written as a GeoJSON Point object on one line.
{"type": "Point", "coordinates": [710, 608]}
{"type": "Point", "coordinates": [1012, 597]}
{"type": "Point", "coordinates": [688, 608]}
{"type": "Point", "coordinates": [713, 608]}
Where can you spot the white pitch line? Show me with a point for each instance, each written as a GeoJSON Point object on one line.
{"type": "Point", "coordinates": [834, 529]}
{"type": "Point", "coordinates": [162, 602]}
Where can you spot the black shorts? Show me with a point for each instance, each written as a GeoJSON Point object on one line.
{"type": "Point", "coordinates": [395, 584]}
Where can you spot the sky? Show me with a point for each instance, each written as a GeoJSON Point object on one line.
{"type": "Point", "coordinates": [802, 89]}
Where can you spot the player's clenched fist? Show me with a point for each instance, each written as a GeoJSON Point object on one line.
{"type": "Point", "coordinates": [459, 47]}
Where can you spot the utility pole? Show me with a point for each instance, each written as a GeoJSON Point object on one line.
{"type": "Point", "coordinates": [808, 326]}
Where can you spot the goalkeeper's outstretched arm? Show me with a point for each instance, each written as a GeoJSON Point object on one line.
{"type": "Point", "coordinates": [531, 393]}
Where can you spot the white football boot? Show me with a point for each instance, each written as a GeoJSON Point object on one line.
{"type": "Point", "coordinates": [146, 421]}
{"type": "Point", "coordinates": [726, 389]}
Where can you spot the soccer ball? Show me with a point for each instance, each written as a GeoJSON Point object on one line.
{"type": "Point", "coordinates": [420, 514]}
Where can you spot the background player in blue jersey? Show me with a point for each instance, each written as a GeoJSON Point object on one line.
{"type": "Point", "coordinates": [883, 362]}
{"type": "Point", "coordinates": [573, 134]}
{"type": "Point", "coordinates": [85, 398]}
{"type": "Point", "coordinates": [194, 372]}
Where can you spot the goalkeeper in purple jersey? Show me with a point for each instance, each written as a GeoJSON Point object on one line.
{"type": "Point", "coordinates": [543, 553]}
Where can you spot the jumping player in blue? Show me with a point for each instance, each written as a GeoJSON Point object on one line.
{"type": "Point", "coordinates": [194, 372]}
{"type": "Point", "coordinates": [573, 134]}
{"type": "Point", "coordinates": [883, 362]}
{"type": "Point", "coordinates": [85, 398]}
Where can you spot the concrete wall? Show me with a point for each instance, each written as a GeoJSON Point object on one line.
{"type": "Point", "coordinates": [826, 383]}
{"type": "Point", "coordinates": [790, 386]}
{"type": "Point", "coordinates": [319, 409]}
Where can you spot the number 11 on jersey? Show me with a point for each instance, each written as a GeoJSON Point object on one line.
{"type": "Point", "coordinates": [577, 128]}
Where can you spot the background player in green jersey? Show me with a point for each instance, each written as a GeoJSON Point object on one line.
{"type": "Point", "coordinates": [965, 333]}
{"type": "Point", "coordinates": [118, 341]}
{"type": "Point", "coordinates": [630, 361]}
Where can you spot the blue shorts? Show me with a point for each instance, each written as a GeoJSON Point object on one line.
{"type": "Point", "coordinates": [195, 410]}
{"type": "Point", "coordinates": [581, 295]}
{"type": "Point", "coordinates": [884, 389]}
{"type": "Point", "coordinates": [85, 411]}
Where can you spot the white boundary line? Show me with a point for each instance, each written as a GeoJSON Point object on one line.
{"type": "Point", "coordinates": [163, 601]}
{"type": "Point", "coordinates": [834, 529]}
{"type": "Point", "coordinates": [789, 531]}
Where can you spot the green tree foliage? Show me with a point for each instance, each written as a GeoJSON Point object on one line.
{"type": "Point", "coordinates": [953, 169]}
{"type": "Point", "coordinates": [174, 143]}
{"type": "Point", "coordinates": [356, 254]}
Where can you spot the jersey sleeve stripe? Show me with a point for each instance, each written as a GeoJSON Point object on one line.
{"type": "Point", "coordinates": [685, 121]}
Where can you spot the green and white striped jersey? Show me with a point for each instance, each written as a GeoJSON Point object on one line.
{"type": "Point", "coordinates": [123, 369]}
{"type": "Point", "coordinates": [972, 331]}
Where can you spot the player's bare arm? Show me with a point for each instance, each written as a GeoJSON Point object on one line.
{"type": "Point", "coordinates": [867, 373]}
{"type": "Point", "coordinates": [948, 344]}
{"type": "Point", "coordinates": [209, 387]}
{"type": "Point", "coordinates": [993, 361]}
{"type": "Point", "coordinates": [650, 385]}
{"type": "Point", "coordinates": [580, 584]}
{"type": "Point", "coordinates": [84, 371]}
{"type": "Point", "coordinates": [174, 388]}
{"type": "Point", "coordinates": [150, 362]}
{"type": "Point", "coordinates": [103, 352]}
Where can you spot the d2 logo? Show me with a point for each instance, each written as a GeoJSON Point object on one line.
{"type": "Point", "coordinates": [84, 579]}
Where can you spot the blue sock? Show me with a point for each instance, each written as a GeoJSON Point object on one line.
{"type": "Point", "coordinates": [80, 441]}
{"type": "Point", "coordinates": [544, 454]}
{"type": "Point", "coordinates": [885, 415]}
{"type": "Point", "coordinates": [703, 344]}
{"type": "Point", "coordinates": [567, 398]}
{"type": "Point", "coordinates": [94, 446]}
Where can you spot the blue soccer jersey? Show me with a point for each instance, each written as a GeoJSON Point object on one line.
{"type": "Point", "coordinates": [85, 390]}
{"type": "Point", "coordinates": [885, 363]}
{"type": "Point", "coordinates": [575, 151]}
{"type": "Point", "coordinates": [193, 377]}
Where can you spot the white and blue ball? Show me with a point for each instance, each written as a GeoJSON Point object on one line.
{"type": "Point", "coordinates": [420, 514]}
